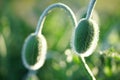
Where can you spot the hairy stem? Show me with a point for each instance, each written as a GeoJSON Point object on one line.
{"type": "Point", "coordinates": [87, 68]}
{"type": "Point", "coordinates": [47, 10]}
{"type": "Point", "coordinates": [90, 8]}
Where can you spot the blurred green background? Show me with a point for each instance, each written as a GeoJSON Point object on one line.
{"type": "Point", "coordinates": [18, 19]}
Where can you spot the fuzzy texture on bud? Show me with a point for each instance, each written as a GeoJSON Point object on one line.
{"type": "Point", "coordinates": [34, 51]}
{"type": "Point", "coordinates": [85, 37]}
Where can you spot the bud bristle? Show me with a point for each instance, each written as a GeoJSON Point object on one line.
{"type": "Point", "coordinates": [85, 37]}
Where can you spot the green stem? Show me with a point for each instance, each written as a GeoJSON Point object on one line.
{"type": "Point", "coordinates": [47, 10]}
{"type": "Point", "coordinates": [87, 68]}
{"type": "Point", "coordinates": [90, 8]}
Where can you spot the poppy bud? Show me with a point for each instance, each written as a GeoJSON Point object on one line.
{"type": "Point", "coordinates": [34, 51]}
{"type": "Point", "coordinates": [85, 37]}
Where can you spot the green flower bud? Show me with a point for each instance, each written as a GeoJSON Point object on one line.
{"type": "Point", "coordinates": [34, 51]}
{"type": "Point", "coordinates": [85, 37]}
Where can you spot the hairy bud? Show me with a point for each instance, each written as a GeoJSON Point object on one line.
{"type": "Point", "coordinates": [85, 37]}
{"type": "Point", "coordinates": [34, 51]}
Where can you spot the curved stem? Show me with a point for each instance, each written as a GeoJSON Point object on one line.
{"type": "Point", "coordinates": [47, 10]}
{"type": "Point", "coordinates": [87, 68]}
{"type": "Point", "coordinates": [90, 8]}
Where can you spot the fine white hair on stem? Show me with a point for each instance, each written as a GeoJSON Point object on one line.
{"type": "Point", "coordinates": [90, 8]}
{"type": "Point", "coordinates": [46, 11]}
{"type": "Point", "coordinates": [87, 68]}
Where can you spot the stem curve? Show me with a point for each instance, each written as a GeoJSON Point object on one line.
{"type": "Point", "coordinates": [46, 11]}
